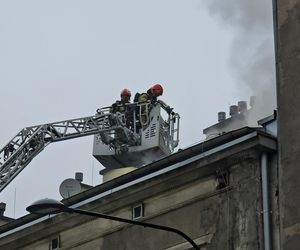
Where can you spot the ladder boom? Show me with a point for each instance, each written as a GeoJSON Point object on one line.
{"type": "Point", "coordinates": [30, 141]}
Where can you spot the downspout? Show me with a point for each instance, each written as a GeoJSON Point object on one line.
{"type": "Point", "coordinates": [265, 200]}
{"type": "Point", "coordinates": [275, 34]}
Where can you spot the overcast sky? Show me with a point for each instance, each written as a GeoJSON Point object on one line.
{"type": "Point", "coordinates": [64, 59]}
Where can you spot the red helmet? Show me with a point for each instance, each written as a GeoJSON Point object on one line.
{"type": "Point", "coordinates": [126, 92]}
{"type": "Point", "coordinates": [157, 89]}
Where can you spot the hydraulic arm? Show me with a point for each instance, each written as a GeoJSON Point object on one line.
{"type": "Point", "coordinates": [121, 138]}
{"type": "Point", "coordinates": [30, 141]}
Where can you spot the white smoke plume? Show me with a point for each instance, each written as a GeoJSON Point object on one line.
{"type": "Point", "coordinates": [252, 56]}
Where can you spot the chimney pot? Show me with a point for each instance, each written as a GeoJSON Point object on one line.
{"type": "Point", "coordinates": [253, 101]}
{"type": "Point", "coordinates": [242, 107]}
{"type": "Point", "coordinates": [221, 116]}
{"type": "Point", "coordinates": [233, 110]}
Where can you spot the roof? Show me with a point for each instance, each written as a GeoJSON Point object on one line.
{"type": "Point", "coordinates": [268, 119]}
{"type": "Point", "coordinates": [178, 159]}
{"type": "Point", "coordinates": [5, 219]}
{"type": "Point", "coordinates": [238, 118]}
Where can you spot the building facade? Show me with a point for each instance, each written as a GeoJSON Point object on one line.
{"type": "Point", "coordinates": [287, 43]}
{"type": "Point", "coordinates": [237, 190]}
{"type": "Point", "coordinates": [213, 192]}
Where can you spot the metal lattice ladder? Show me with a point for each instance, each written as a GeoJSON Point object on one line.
{"type": "Point", "coordinates": [30, 141]}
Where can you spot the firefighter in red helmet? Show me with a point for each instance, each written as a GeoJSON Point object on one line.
{"type": "Point", "coordinates": [157, 90]}
{"type": "Point", "coordinates": [151, 95]}
{"type": "Point", "coordinates": [125, 95]}
{"type": "Point", "coordinates": [120, 105]}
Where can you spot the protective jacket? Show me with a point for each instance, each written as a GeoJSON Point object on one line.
{"type": "Point", "coordinates": [119, 106]}
{"type": "Point", "coordinates": [144, 97]}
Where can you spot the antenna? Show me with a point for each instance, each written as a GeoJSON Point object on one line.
{"type": "Point", "coordinates": [69, 187]}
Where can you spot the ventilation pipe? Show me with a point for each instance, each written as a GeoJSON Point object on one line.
{"type": "Point", "coordinates": [79, 176]}
{"type": "Point", "coordinates": [265, 200]}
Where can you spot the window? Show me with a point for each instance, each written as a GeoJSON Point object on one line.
{"type": "Point", "coordinates": [137, 211]}
{"type": "Point", "coordinates": [55, 243]}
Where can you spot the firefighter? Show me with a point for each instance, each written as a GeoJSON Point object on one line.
{"type": "Point", "coordinates": [151, 95]}
{"type": "Point", "coordinates": [120, 105]}
{"type": "Point", "coordinates": [155, 91]}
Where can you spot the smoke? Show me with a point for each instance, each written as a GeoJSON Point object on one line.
{"type": "Point", "coordinates": [252, 57]}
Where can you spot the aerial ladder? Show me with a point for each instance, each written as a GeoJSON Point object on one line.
{"type": "Point", "coordinates": [111, 130]}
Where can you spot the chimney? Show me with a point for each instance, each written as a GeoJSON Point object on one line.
{"type": "Point", "coordinates": [233, 110]}
{"type": "Point", "coordinates": [242, 107]}
{"type": "Point", "coordinates": [2, 208]}
{"type": "Point", "coordinates": [253, 101]}
{"type": "Point", "coordinates": [79, 176]}
{"type": "Point", "coordinates": [221, 116]}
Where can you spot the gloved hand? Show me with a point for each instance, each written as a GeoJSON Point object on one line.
{"type": "Point", "coordinates": [170, 110]}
